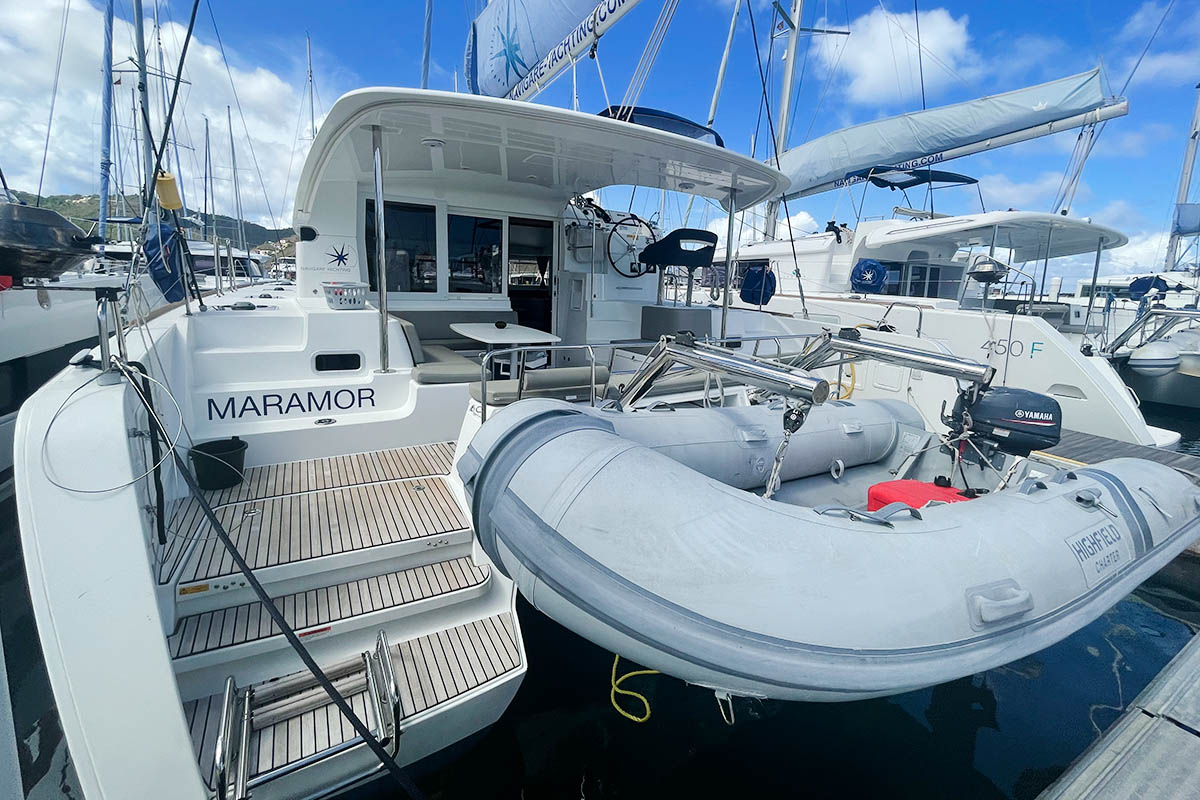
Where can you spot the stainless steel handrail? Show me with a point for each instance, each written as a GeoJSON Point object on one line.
{"type": "Point", "coordinates": [952, 366]}
{"type": "Point", "coordinates": [777, 338]}
{"type": "Point", "coordinates": [491, 354]}
{"type": "Point", "coordinates": [375, 698]}
{"type": "Point", "coordinates": [384, 656]}
{"type": "Point", "coordinates": [920, 313]}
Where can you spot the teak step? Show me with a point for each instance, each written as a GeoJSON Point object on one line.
{"type": "Point", "coordinates": [327, 522]}
{"type": "Point", "coordinates": [319, 610]}
{"type": "Point", "coordinates": [189, 531]}
{"type": "Point", "coordinates": [282, 721]}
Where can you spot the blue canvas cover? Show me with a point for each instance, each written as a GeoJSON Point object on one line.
{"type": "Point", "coordinates": [164, 255]}
{"type": "Point", "coordinates": [1140, 287]}
{"type": "Point", "coordinates": [758, 285]}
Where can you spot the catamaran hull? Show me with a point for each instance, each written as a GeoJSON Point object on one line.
{"type": "Point", "coordinates": [649, 558]}
{"type": "Point", "coordinates": [1180, 387]}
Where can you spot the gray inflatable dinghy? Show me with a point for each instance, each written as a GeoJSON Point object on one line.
{"type": "Point", "coordinates": [645, 532]}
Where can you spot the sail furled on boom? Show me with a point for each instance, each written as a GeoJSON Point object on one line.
{"type": "Point", "coordinates": [924, 138]}
{"type": "Point", "coordinates": [516, 47]}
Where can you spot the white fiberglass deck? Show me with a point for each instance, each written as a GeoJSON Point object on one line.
{"type": "Point", "coordinates": [284, 513]}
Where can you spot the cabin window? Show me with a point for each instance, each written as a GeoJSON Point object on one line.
{"type": "Point", "coordinates": [410, 258]}
{"type": "Point", "coordinates": [476, 254]}
{"type": "Point", "coordinates": [338, 362]}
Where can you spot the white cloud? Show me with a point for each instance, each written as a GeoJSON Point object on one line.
{"type": "Point", "coordinates": [1037, 194]}
{"type": "Point", "coordinates": [750, 226]}
{"type": "Point", "coordinates": [1172, 58]}
{"type": "Point", "coordinates": [879, 58]}
{"type": "Point", "coordinates": [28, 48]}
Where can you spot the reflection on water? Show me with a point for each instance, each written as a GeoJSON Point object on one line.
{"type": "Point", "coordinates": [45, 768]}
{"type": "Point", "coordinates": [1185, 421]}
{"type": "Point", "coordinates": [1007, 733]}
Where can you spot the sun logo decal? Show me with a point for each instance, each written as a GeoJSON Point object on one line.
{"type": "Point", "coordinates": [510, 50]}
{"type": "Point", "coordinates": [338, 256]}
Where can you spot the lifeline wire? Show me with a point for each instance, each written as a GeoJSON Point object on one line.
{"type": "Point", "coordinates": [46, 438]}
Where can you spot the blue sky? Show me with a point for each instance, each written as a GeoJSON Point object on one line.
{"type": "Point", "coordinates": [971, 49]}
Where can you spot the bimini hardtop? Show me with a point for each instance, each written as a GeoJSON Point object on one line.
{"type": "Point", "coordinates": [867, 572]}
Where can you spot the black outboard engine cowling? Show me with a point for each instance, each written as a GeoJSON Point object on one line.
{"type": "Point", "coordinates": [1015, 421]}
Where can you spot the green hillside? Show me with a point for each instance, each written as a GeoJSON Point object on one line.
{"type": "Point", "coordinates": [80, 208]}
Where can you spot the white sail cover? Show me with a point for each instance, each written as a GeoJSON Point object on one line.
{"type": "Point", "coordinates": [515, 46]}
{"type": "Point", "coordinates": [924, 138]}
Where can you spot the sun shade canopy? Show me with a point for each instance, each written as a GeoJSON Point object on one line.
{"type": "Point", "coordinates": [443, 140]}
{"type": "Point", "coordinates": [664, 121]}
{"type": "Point", "coordinates": [892, 178]}
{"type": "Point", "coordinates": [1030, 235]}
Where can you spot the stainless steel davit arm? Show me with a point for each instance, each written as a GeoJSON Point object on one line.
{"type": "Point", "coordinates": [959, 368]}
{"type": "Point", "coordinates": [772, 376]}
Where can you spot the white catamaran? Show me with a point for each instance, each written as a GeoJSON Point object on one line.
{"type": "Point", "coordinates": [303, 598]}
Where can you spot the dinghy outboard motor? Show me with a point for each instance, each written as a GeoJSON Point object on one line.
{"type": "Point", "coordinates": [1013, 421]}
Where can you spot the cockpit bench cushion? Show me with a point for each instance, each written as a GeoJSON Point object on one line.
{"type": "Point", "coordinates": [433, 327]}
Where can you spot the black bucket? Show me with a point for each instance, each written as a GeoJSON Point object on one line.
{"type": "Point", "coordinates": [218, 464]}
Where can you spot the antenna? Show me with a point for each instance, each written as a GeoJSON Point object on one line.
{"type": "Point", "coordinates": [312, 113]}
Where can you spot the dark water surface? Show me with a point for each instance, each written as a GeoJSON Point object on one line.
{"type": "Point", "coordinates": [1007, 733]}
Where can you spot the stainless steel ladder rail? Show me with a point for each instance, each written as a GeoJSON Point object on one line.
{"type": "Point", "coordinates": [1172, 317]}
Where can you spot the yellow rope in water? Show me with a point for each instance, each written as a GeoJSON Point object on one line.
{"type": "Point", "coordinates": [616, 689]}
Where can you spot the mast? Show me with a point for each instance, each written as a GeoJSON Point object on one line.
{"type": "Point", "coordinates": [139, 35]}
{"type": "Point", "coordinates": [1185, 180]}
{"type": "Point", "coordinates": [312, 113]}
{"type": "Point", "coordinates": [427, 41]}
{"type": "Point", "coordinates": [237, 194]}
{"type": "Point", "coordinates": [785, 110]}
{"type": "Point", "coordinates": [106, 123]}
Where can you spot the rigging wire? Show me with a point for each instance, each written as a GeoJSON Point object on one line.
{"type": "Point", "coordinates": [62, 41]}
{"type": "Point", "coordinates": [150, 179]}
{"type": "Point", "coordinates": [787, 214]}
{"type": "Point", "coordinates": [892, 21]}
{"type": "Point", "coordinates": [1073, 183]}
{"type": "Point", "coordinates": [649, 55]}
{"type": "Point", "coordinates": [242, 115]}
